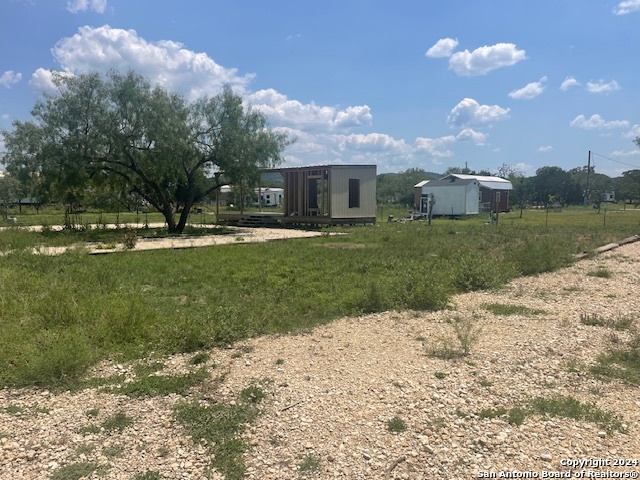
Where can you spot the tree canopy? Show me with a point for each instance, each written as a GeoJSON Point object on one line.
{"type": "Point", "coordinates": [120, 131]}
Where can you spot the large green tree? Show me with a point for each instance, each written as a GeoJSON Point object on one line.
{"type": "Point", "coordinates": [551, 184]}
{"type": "Point", "coordinates": [141, 139]}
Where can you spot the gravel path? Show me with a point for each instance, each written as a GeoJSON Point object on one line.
{"type": "Point", "coordinates": [331, 392]}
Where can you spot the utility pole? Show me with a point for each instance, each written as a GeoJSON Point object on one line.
{"type": "Point", "coordinates": [586, 192]}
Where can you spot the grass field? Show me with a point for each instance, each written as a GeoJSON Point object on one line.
{"type": "Point", "coordinates": [60, 315]}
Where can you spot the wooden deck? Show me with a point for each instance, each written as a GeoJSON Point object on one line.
{"type": "Point", "coordinates": [262, 219]}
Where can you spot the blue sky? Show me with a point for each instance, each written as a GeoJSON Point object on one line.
{"type": "Point", "coordinates": [427, 84]}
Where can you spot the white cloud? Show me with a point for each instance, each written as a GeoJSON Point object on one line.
{"type": "Point", "coordinates": [165, 62]}
{"type": "Point", "coordinates": [371, 142]}
{"type": "Point", "coordinates": [75, 6]}
{"type": "Point", "coordinates": [596, 122]}
{"type": "Point", "coordinates": [440, 147]}
{"type": "Point", "coordinates": [10, 78]}
{"type": "Point", "coordinates": [545, 148]}
{"type": "Point", "coordinates": [469, 134]}
{"type": "Point", "coordinates": [633, 133]}
{"type": "Point", "coordinates": [626, 7]}
{"type": "Point", "coordinates": [484, 59]}
{"type": "Point", "coordinates": [529, 91]}
{"type": "Point", "coordinates": [437, 147]}
{"type": "Point", "coordinates": [568, 83]}
{"type": "Point", "coordinates": [443, 48]}
{"type": "Point", "coordinates": [283, 111]}
{"type": "Point", "coordinates": [601, 87]}
{"type": "Point", "coordinates": [470, 112]}
{"type": "Point", "coordinates": [628, 153]}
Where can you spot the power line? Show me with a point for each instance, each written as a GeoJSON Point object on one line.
{"type": "Point", "coordinates": [616, 161]}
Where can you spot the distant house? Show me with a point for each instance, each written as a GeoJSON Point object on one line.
{"type": "Point", "coordinates": [460, 194]}
{"type": "Point", "coordinates": [609, 197]}
{"type": "Point", "coordinates": [270, 197]}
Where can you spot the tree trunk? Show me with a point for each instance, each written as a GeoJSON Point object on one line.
{"type": "Point", "coordinates": [184, 216]}
{"type": "Point", "coordinates": [171, 221]}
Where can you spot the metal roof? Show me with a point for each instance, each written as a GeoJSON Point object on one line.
{"type": "Point", "coordinates": [494, 183]}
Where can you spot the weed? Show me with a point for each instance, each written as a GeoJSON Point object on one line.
{"type": "Point", "coordinates": [74, 471]}
{"type": "Point", "coordinates": [252, 394]}
{"type": "Point", "coordinates": [129, 240]}
{"type": "Point", "coordinates": [492, 412]}
{"type": "Point", "coordinates": [396, 425]}
{"type": "Point", "coordinates": [620, 323]}
{"type": "Point", "coordinates": [13, 409]}
{"type": "Point", "coordinates": [516, 415]}
{"type": "Point", "coordinates": [467, 333]}
{"type": "Point", "coordinates": [485, 383]}
{"type": "Point", "coordinates": [92, 412]}
{"type": "Point", "coordinates": [220, 427]}
{"type": "Point", "coordinates": [146, 369]}
{"type": "Point", "coordinates": [444, 350]}
{"type": "Point", "coordinates": [199, 358]}
{"type": "Point", "coordinates": [569, 407]}
{"type": "Point", "coordinates": [506, 310]}
{"type": "Point", "coordinates": [441, 375]}
{"type": "Point", "coordinates": [113, 451]}
{"type": "Point", "coordinates": [148, 475]}
{"type": "Point", "coordinates": [309, 463]}
{"type": "Point", "coordinates": [160, 385]}
{"type": "Point", "coordinates": [600, 272]}
{"type": "Point", "coordinates": [280, 361]}
{"type": "Point", "coordinates": [45, 410]}
{"type": "Point", "coordinates": [92, 429]}
{"type": "Point", "coordinates": [421, 339]}
{"type": "Point", "coordinates": [118, 421]}
{"type": "Point", "coordinates": [85, 448]}
{"type": "Point", "coordinates": [163, 452]}
{"type": "Point", "coordinates": [622, 362]}
{"type": "Point", "coordinates": [593, 320]}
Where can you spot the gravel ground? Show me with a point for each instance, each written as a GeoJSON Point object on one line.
{"type": "Point", "coordinates": [331, 392]}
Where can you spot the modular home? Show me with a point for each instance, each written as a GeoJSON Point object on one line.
{"type": "Point", "coordinates": [460, 194]}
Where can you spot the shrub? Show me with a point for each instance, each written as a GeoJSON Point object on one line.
{"type": "Point", "coordinates": [74, 471]}
{"type": "Point", "coordinates": [130, 240]}
{"type": "Point", "coordinates": [396, 425]}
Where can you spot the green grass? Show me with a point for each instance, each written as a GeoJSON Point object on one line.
{"type": "Point", "coordinates": [74, 471]}
{"type": "Point", "coordinates": [507, 309]}
{"type": "Point", "coordinates": [148, 475]}
{"type": "Point", "coordinates": [620, 323]}
{"type": "Point", "coordinates": [600, 272]}
{"type": "Point", "coordinates": [621, 362]}
{"type": "Point", "coordinates": [569, 407]}
{"type": "Point", "coordinates": [220, 428]}
{"type": "Point", "coordinates": [160, 385]}
{"type": "Point", "coordinates": [118, 421]}
{"type": "Point", "coordinates": [199, 358]}
{"type": "Point", "coordinates": [61, 315]}
{"type": "Point", "coordinates": [556, 407]}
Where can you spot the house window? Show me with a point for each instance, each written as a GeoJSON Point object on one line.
{"type": "Point", "coordinates": [354, 193]}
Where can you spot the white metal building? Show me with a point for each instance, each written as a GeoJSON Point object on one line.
{"type": "Point", "coordinates": [459, 194]}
